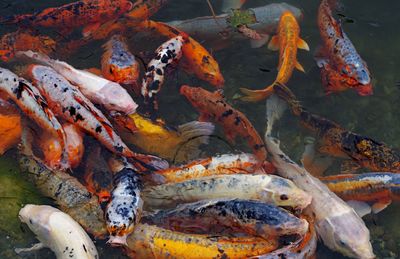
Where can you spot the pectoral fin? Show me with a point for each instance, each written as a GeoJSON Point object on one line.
{"type": "Point", "coordinates": [261, 42]}
{"type": "Point", "coordinates": [274, 43]}
{"type": "Point", "coordinates": [35, 247]}
{"type": "Point", "coordinates": [302, 44]}
{"type": "Point", "coordinates": [380, 205]}
{"type": "Point", "coordinates": [299, 66]}
{"type": "Point", "coordinates": [360, 207]}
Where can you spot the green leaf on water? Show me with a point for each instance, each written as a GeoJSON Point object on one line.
{"type": "Point", "coordinates": [239, 17]}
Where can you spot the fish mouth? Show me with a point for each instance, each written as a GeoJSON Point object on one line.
{"type": "Point", "coordinates": [365, 90]}
{"type": "Point", "coordinates": [118, 240]}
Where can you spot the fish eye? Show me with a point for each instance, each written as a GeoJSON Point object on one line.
{"type": "Point", "coordinates": [284, 197]}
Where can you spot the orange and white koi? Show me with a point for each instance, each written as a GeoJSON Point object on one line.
{"type": "Point", "coordinates": [149, 241]}
{"type": "Point", "coordinates": [251, 217]}
{"type": "Point", "coordinates": [167, 54]}
{"type": "Point", "coordinates": [196, 59]}
{"type": "Point", "coordinates": [212, 106]}
{"type": "Point", "coordinates": [20, 40]}
{"type": "Point", "coordinates": [31, 102]}
{"type": "Point", "coordinates": [377, 189]}
{"type": "Point", "coordinates": [98, 89]}
{"type": "Point", "coordinates": [118, 64]}
{"type": "Point", "coordinates": [124, 211]}
{"type": "Point", "coordinates": [341, 66]}
{"type": "Point", "coordinates": [287, 41]}
{"type": "Point", "coordinates": [88, 13]}
{"type": "Point", "coordinates": [69, 103]}
{"type": "Point", "coordinates": [74, 144]}
{"type": "Point", "coordinates": [10, 126]}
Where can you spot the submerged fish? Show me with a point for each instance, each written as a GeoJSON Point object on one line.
{"type": "Point", "coordinates": [286, 41]}
{"type": "Point", "coordinates": [266, 188]}
{"type": "Point", "coordinates": [341, 66]}
{"type": "Point", "coordinates": [251, 217]}
{"type": "Point", "coordinates": [212, 106]}
{"type": "Point", "coordinates": [155, 137]}
{"type": "Point", "coordinates": [118, 64]}
{"type": "Point", "coordinates": [150, 241]}
{"type": "Point", "coordinates": [87, 13]}
{"type": "Point", "coordinates": [377, 189]}
{"type": "Point", "coordinates": [57, 231]}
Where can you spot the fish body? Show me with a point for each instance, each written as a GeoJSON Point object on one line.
{"type": "Point", "coordinates": [338, 225]}
{"type": "Point", "coordinates": [69, 103]}
{"type": "Point", "coordinates": [212, 106]}
{"type": "Point", "coordinates": [266, 188]}
{"type": "Point", "coordinates": [118, 64]}
{"type": "Point", "coordinates": [58, 231]}
{"type": "Point", "coordinates": [167, 54]}
{"type": "Point", "coordinates": [339, 142]}
{"type": "Point", "coordinates": [378, 189]}
{"type": "Point", "coordinates": [10, 126]}
{"type": "Point", "coordinates": [10, 43]}
{"type": "Point", "coordinates": [217, 165]}
{"type": "Point", "coordinates": [124, 210]}
{"type": "Point", "coordinates": [31, 102]}
{"type": "Point", "coordinates": [251, 217]}
{"type": "Point", "coordinates": [341, 66]}
{"type": "Point", "coordinates": [98, 89]}
{"type": "Point", "coordinates": [149, 241]}
{"type": "Point", "coordinates": [87, 13]}
{"type": "Point", "coordinates": [287, 41]}
{"type": "Point", "coordinates": [72, 197]}
{"type": "Point", "coordinates": [74, 145]}
{"type": "Point", "coordinates": [155, 137]}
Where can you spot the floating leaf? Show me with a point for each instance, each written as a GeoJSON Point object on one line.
{"type": "Point", "coordinates": [239, 17]}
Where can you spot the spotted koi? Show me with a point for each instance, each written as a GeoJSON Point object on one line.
{"type": "Point", "coordinates": [341, 66]}
{"type": "Point", "coordinates": [212, 106]}
{"type": "Point", "coordinates": [124, 211]}
{"type": "Point", "coordinates": [167, 54]}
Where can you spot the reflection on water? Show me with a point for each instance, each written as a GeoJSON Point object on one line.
{"type": "Point", "coordinates": [371, 25]}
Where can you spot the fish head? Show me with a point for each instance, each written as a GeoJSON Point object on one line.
{"type": "Point", "coordinates": [365, 90]}
{"type": "Point", "coordinates": [37, 218]}
{"type": "Point", "coordinates": [346, 234]}
{"type": "Point", "coordinates": [357, 71]}
{"type": "Point", "coordinates": [286, 193]}
{"type": "Point", "coordinates": [116, 98]}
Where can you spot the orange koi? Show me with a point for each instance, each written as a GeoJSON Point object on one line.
{"type": "Point", "coordinates": [287, 41]}
{"type": "Point", "coordinates": [10, 126]}
{"type": "Point", "coordinates": [196, 59]}
{"type": "Point", "coordinates": [88, 13]}
{"type": "Point", "coordinates": [378, 189]}
{"type": "Point", "coordinates": [212, 106]}
{"type": "Point", "coordinates": [19, 41]}
{"type": "Point", "coordinates": [341, 66]}
{"type": "Point", "coordinates": [118, 64]}
{"type": "Point", "coordinates": [74, 144]}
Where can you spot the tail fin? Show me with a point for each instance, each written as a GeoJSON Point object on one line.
{"type": "Point", "coordinates": [256, 95]}
{"type": "Point", "coordinates": [192, 134]}
{"type": "Point", "coordinates": [286, 94]}
{"type": "Point", "coordinates": [275, 109]}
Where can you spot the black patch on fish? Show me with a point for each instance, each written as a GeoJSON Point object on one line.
{"type": "Point", "coordinates": [18, 91]}
{"type": "Point", "coordinates": [84, 248]}
{"type": "Point", "coordinates": [159, 72]}
{"type": "Point", "coordinates": [99, 129]}
{"type": "Point", "coordinates": [285, 159]}
{"type": "Point", "coordinates": [237, 120]}
{"type": "Point", "coordinates": [206, 59]}
{"type": "Point", "coordinates": [72, 111]}
{"type": "Point", "coordinates": [258, 146]}
{"type": "Point", "coordinates": [154, 85]}
{"type": "Point", "coordinates": [79, 117]}
{"type": "Point", "coordinates": [58, 192]}
{"type": "Point", "coordinates": [227, 113]}
{"type": "Point", "coordinates": [119, 148]}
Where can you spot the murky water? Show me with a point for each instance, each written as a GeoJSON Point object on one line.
{"type": "Point", "coordinates": [371, 25]}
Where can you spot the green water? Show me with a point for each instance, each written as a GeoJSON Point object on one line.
{"type": "Point", "coordinates": [371, 25]}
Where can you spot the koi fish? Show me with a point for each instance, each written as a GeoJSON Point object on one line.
{"type": "Point", "coordinates": [339, 226]}
{"type": "Point", "coordinates": [212, 106]}
{"type": "Point", "coordinates": [10, 43]}
{"type": "Point", "coordinates": [339, 142]}
{"type": "Point", "coordinates": [378, 189]}
{"type": "Point", "coordinates": [57, 231]}
{"type": "Point", "coordinates": [167, 54]}
{"type": "Point", "coordinates": [196, 59]}
{"type": "Point", "coordinates": [97, 176]}
{"type": "Point", "coordinates": [72, 197]}
{"type": "Point", "coordinates": [287, 41]}
{"type": "Point", "coordinates": [150, 241]}
{"type": "Point", "coordinates": [265, 188]}
{"type": "Point", "coordinates": [10, 126]}
{"type": "Point", "coordinates": [118, 64]}
{"type": "Point", "coordinates": [215, 32]}
{"type": "Point", "coordinates": [74, 145]}
{"type": "Point", "coordinates": [88, 13]}
{"type": "Point", "coordinates": [124, 210]}
{"type": "Point", "coordinates": [251, 217]}
{"type": "Point", "coordinates": [31, 102]}
{"type": "Point", "coordinates": [155, 137]}
{"type": "Point", "coordinates": [341, 66]}
{"type": "Point", "coordinates": [100, 90]}
{"type": "Point", "coordinates": [217, 165]}
{"type": "Point", "coordinates": [143, 10]}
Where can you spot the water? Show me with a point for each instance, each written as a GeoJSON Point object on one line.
{"type": "Point", "coordinates": [372, 27]}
